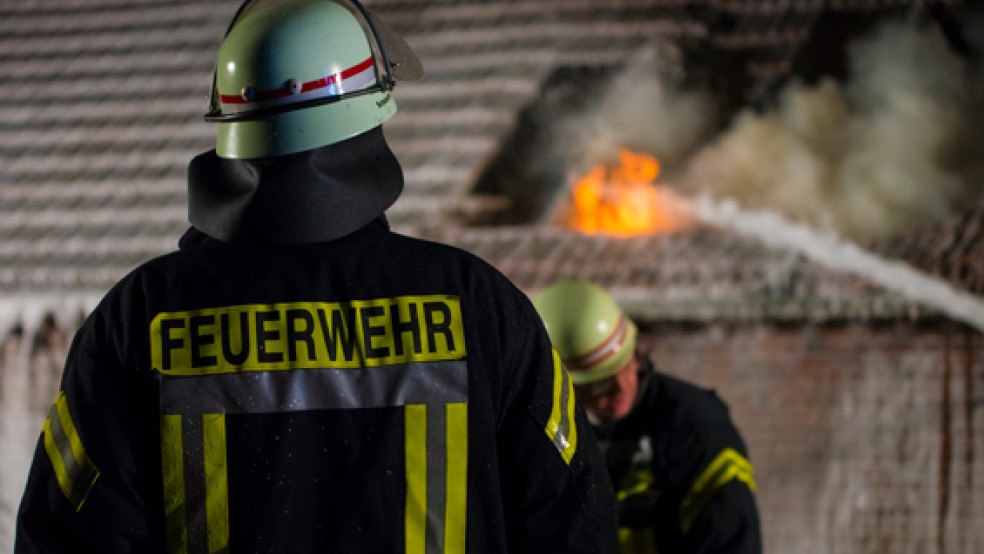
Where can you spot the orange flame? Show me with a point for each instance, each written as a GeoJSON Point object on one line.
{"type": "Point", "coordinates": [623, 200]}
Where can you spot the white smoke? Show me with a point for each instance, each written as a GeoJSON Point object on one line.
{"type": "Point", "coordinates": [898, 145]}
{"type": "Point", "coordinates": [641, 110]}
{"type": "Point", "coordinates": [832, 252]}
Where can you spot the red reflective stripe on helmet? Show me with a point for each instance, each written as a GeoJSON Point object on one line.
{"type": "Point", "coordinates": [260, 96]}
{"type": "Point", "coordinates": [355, 69]}
{"type": "Point", "coordinates": [316, 84]}
{"type": "Point", "coordinates": [608, 348]}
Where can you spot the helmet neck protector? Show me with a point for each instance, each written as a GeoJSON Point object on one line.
{"type": "Point", "coordinates": [311, 196]}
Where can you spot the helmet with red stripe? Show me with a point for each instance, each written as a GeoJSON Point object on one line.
{"type": "Point", "coordinates": [592, 334]}
{"type": "Point", "coordinates": [293, 75]}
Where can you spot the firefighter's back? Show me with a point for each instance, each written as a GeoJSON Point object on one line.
{"type": "Point", "coordinates": [356, 385]}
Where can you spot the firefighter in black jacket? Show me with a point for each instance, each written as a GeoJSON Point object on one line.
{"type": "Point", "coordinates": [679, 465]}
{"type": "Point", "coordinates": [297, 378]}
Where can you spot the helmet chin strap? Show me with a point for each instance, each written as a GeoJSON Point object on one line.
{"type": "Point", "coordinates": [311, 196]}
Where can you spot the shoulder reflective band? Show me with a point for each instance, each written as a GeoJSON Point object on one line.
{"type": "Point", "coordinates": [434, 398]}
{"type": "Point", "coordinates": [260, 337]}
{"type": "Point", "coordinates": [727, 466]}
{"type": "Point", "coordinates": [74, 471]}
{"type": "Point", "coordinates": [560, 427]}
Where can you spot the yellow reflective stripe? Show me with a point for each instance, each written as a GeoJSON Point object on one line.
{"type": "Point", "coordinates": [560, 426]}
{"type": "Point", "coordinates": [61, 474]}
{"type": "Point", "coordinates": [216, 482]}
{"type": "Point", "coordinates": [637, 540]}
{"type": "Point", "coordinates": [457, 480]}
{"type": "Point", "coordinates": [172, 465]}
{"type": "Point", "coordinates": [74, 471]}
{"type": "Point", "coordinates": [415, 444]}
{"type": "Point", "coordinates": [65, 418]}
{"type": "Point", "coordinates": [553, 424]}
{"type": "Point", "coordinates": [568, 452]}
{"type": "Point", "coordinates": [728, 465]}
{"type": "Point", "coordinates": [644, 484]}
{"type": "Point", "coordinates": [726, 456]}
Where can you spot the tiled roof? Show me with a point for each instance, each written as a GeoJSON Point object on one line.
{"type": "Point", "coordinates": [101, 103]}
{"type": "Point", "coordinates": [700, 275]}
{"type": "Point", "coordinates": [953, 250]}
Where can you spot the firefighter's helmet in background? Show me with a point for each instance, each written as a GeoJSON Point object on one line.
{"type": "Point", "coordinates": [592, 334]}
{"type": "Point", "coordinates": [293, 75]}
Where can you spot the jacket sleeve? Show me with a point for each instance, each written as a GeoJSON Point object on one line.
{"type": "Point", "coordinates": [558, 492]}
{"type": "Point", "coordinates": [718, 514]}
{"type": "Point", "coordinates": [728, 525]}
{"type": "Point", "coordinates": [84, 492]}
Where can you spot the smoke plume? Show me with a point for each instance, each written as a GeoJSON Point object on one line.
{"type": "Point", "coordinates": [899, 144]}
{"type": "Point", "coordinates": [641, 110]}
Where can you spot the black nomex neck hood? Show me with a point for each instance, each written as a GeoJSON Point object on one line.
{"type": "Point", "coordinates": [311, 196]}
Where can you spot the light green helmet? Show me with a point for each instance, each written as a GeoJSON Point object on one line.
{"type": "Point", "coordinates": [293, 75]}
{"type": "Point", "coordinates": [590, 331]}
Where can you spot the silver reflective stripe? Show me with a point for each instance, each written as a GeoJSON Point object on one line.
{"type": "Point", "coordinates": [564, 427]}
{"type": "Point", "coordinates": [561, 428]}
{"type": "Point", "coordinates": [316, 389]}
{"type": "Point", "coordinates": [72, 468]}
{"type": "Point", "coordinates": [74, 471]}
{"type": "Point", "coordinates": [437, 469]}
{"type": "Point", "coordinates": [195, 489]}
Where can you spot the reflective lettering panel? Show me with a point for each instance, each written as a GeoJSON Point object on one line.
{"type": "Point", "coordinates": [299, 335]}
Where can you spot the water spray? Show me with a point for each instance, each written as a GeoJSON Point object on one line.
{"type": "Point", "coordinates": [836, 253]}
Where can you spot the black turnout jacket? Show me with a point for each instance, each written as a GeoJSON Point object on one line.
{"type": "Point", "coordinates": [681, 472]}
{"type": "Point", "coordinates": [371, 393]}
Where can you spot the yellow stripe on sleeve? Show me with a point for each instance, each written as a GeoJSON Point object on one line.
{"type": "Point", "coordinates": [727, 466]}
{"type": "Point", "coordinates": [74, 470]}
{"type": "Point", "coordinates": [57, 463]}
{"type": "Point", "coordinates": [568, 452]}
{"type": "Point", "coordinates": [560, 427]}
{"type": "Point", "coordinates": [553, 424]}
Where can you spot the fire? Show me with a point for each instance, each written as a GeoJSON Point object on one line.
{"type": "Point", "coordinates": [623, 200]}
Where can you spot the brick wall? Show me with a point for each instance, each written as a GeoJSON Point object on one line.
{"type": "Point", "coordinates": [865, 438]}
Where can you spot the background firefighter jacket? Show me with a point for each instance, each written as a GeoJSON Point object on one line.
{"type": "Point", "coordinates": [681, 473]}
{"type": "Point", "coordinates": [373, 393]}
